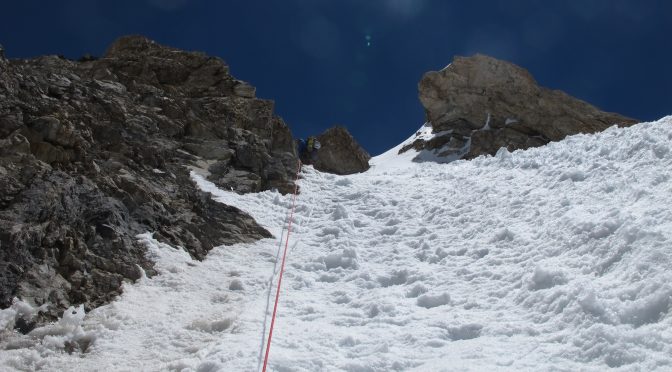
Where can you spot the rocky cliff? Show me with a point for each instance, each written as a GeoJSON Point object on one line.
{"type": "Point", "coordinates": [477, 105]}
{"type": "Point", "coordinates": [94, 152]}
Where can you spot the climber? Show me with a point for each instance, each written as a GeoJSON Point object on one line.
{"type": "Point", "coordinates": [308, 149]}
{"type": "Point", "coordinates": [301, 149]}
{"type": "Point", "coordinates": [2, 52]}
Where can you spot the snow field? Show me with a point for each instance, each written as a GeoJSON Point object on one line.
{"type": "Point", "coordinates": [552, 258]}
{"type": "Point", "coordinates": [555, 258]}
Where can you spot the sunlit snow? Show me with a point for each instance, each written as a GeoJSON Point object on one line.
{"type": "Point", "coordinates": [555, 258]}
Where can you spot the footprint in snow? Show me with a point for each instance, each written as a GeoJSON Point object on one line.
{"type": "Point", "coordinates": [465, 332]}
{"type": "Point", "coordinates": [397, 277]}
{"type": "Point", "coordinates": [428, 301]}
{"type": "Point", "coordinates": [389, 230]}
{"type": "Point", "coordinates": [416, 291]}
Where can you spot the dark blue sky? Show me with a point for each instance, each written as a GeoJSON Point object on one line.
{"type": "Point", "coordinates": [357, 62]}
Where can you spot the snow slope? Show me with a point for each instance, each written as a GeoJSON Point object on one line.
{"type": "Point", "coordinates": [555, 258]}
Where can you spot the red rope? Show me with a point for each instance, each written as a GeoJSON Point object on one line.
{"type": "Point", "coordinates": [282, 268]}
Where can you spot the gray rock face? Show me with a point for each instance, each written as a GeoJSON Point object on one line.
{"type": "Point", "coordinates": [340, 153]}
{"type": "Point", "coordinates": [478, 104]}
{"type": "Point", "coordinates": [93, 153]}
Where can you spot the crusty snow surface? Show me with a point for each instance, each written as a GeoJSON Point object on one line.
{"type": "Point", "coordinates": [552, 259]}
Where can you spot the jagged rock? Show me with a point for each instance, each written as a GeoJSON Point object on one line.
{"type": "Point", "coordinates": [244, 89]}
{"type": "Point", "coordinates": [94, 152]}
{"type": "Point", "coordinates": [479, 104]}
{"type": "Point", "coordinates": [340, 153]}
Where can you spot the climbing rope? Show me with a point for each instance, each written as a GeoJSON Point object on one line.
{"type": "Point", "coordinates": [282, 267]}
{"type": "Point", "coordinates": [270, 291]}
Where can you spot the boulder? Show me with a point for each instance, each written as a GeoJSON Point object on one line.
{"type": "Point", "coordinates": [340, 153]}
{"type": "Point", "coordinates": [476, 105]}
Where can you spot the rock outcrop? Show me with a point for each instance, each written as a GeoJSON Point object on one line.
{"type": "Point", "coordinates": [477, 105]}
{"type": "Point", "coordinates": [340, 153]}
{"type": "Point", "coordinates": [93, 153]}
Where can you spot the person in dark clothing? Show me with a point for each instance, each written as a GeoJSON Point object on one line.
{"type": "Point", "coordinates": [308, 150]}
{"type": "Point", "coordinates": [301, 149]}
